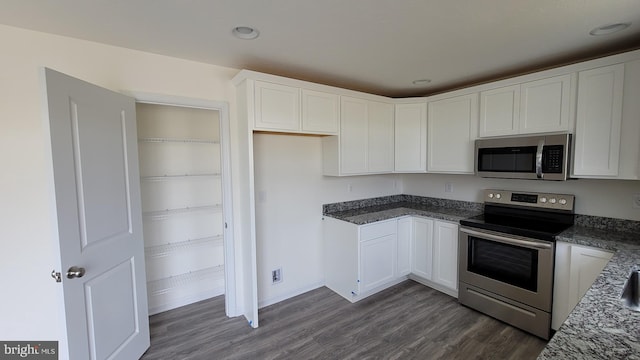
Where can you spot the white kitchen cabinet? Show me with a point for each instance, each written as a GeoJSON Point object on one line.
{"type": "Point", "coordinates": [577, 267]}
{"type": "Point", "coordinates": [360, 260]}
{"type": "Point", "coordinates": [404, 246]}
{"type": "Point", "coordinates": [500, 111]}
{"type": "Point", "coordinates": [435, 254]}
{"type": "Point", "coordinates": [545, 105]}
{"type": "Point", "coordinates": [380, 139]}
{"type": "Point", "coordinates": [277, 107]}
{"type": "Point", "coordinates": [598, 122]}
{"type": "Point", "coordinates": [411, 137]}
{"type": "Point", "coordinates": [445, 254]}
{"type": "Point", "coordinates": [320, 112]}
{"type": "Point", "coordinates": [452, 130]}
{"type": "Point", "coordinates": [422, 238]}
{"type": "Point", "coordinates": [365, 144]}
{"type": "Point", "coordinates": [378, 261]}
{"type": "Point", "coordinates": [538, 106]}
{"type": "Point", "coordinates": [284, 108]}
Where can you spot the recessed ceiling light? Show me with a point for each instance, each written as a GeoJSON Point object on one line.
{"type": "Point", "coordinates": [421, 82]}
{"type": "Point", "coordinates": [245, 32]}
{"type": "Point", "coordinates": [609, 29]}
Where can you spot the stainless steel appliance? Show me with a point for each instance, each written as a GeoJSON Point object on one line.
{"type": "Point", "coordinates": [543, 157]}
{"type": "Point", "coordinates": [506, 257]}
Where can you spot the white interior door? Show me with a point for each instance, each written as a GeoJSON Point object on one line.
{"type": "Point", "coordinates": [97, 194]}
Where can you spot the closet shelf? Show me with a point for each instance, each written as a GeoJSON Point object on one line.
{"type": "Point", "coordinates": [168, 249]}
{"type": "Point", "coordinates": [177, 140]}
{"type": "Point", "coordinates": [163, 286]}
{"type": "Point", "coordinates": [173, 177]}
{"type": "Point", "coordinates": [161, 214]}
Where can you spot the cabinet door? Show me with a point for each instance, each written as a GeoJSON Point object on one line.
{"type": "Point", "coordinates": [452, 128]}
{"type": "Point", "coordinates": [377, 262]}
{"type": "Point", "coordinates": [445, 251]}
{"type": "Point", "coordinates": [545, 105]}
{"type": "Point", "coordinates": [586, 264]}
{"type": "Point", "coordinates": [354, 135]}
{"type": "Point", "coordinates": [598, 120]}
{"type": "Point", "coordinates": [411, 137]}
{"type": "Point", "coordinates": [422, 264]}
{"type": "Point", "coordinates": [380, 141]}
{"type": "Point", "coordinates": [277, 107]}
{"type": "Point", "coordinates": [320, 112]}
{"type": "Point", "coordinates": [404, 246]}
{"type": "Point", "coordinates": [500, 111]}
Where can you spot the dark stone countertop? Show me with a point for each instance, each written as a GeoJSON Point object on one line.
{"type": "Point", "coordinates": [600, 326]}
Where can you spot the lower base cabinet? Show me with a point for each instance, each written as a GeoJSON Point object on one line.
{"type": "Point", "coordinates": [577, 267]}
{"type": "Point", "coordinates": [435, 254]}
{"type": "Point", "coordinates": [361, 260]}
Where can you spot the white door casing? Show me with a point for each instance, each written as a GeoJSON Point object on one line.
{"type": "Point", "coordinates": [99, 222]}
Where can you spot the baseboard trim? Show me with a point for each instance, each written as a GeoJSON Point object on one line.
{"type": "Point", "coordinates": [289, 295]}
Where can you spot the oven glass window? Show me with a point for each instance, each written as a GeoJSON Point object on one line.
{"type": "Point", "coordinates": [510, 264]}
{"type": "Point", "coordinates": [511, 159]}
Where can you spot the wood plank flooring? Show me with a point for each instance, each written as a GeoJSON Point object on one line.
{"type": "Point", "coordinates": [407, 321]}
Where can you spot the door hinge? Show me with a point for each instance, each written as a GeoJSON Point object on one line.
{"type": "Point", "coordinates": [56, 276]}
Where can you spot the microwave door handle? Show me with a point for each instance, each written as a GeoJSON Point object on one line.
{"type": "Point", "coordinates": [539, 158]}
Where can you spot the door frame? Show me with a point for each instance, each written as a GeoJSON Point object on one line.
{"type": "Point", "coordinates": [222, 107]}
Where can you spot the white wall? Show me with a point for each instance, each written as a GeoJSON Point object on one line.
{"type": "Point", "coordinates": [29, 302]}
{"type": "Point", "coordinates": [290, 191]}
{"type": "Point", "coordinates": [608, 198]}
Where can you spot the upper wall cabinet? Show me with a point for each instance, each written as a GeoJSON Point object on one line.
{"type": "Point", "coordinates": [533, 107]}
{"type": "Point", "coordinates": [291, 109]}
{"type": "Point", "coordinates": [411, 137]}
{"type": "Point", "coordinates": [365, 144]}
{"type": "Point", "coordinates": [452, 129]}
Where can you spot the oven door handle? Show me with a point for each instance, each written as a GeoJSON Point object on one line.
{"type": "Point", "coordinates": [507, 240]}
{"type": "Point", "coordinates": [539, 158]}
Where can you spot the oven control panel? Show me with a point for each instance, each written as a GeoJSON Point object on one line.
{"type": "Point", "coordinates": [531, 199]}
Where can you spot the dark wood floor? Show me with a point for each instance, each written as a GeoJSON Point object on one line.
{"type": "Point", "coordinates": [407, 321]}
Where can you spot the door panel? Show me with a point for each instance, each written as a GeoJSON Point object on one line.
{"type": "Point", "coordinates": [99, 220]}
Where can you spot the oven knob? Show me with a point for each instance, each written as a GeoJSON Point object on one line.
{"type": "Point", "coordinates": [490, 195]}
{"type": "Point", "coordinates": [543, 199]}
{"type": "Point", "coordinates": [563, 201]}
{"type": "Point", "coordinates": [498, 196]}
{"type": "Point", "coordinates": [552, 200]}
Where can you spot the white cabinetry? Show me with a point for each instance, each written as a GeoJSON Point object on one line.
{"type": "Point", "coordinates": [277, 107]}
{"type": "Point", "coordinates": [365, 144]}
{"type": "Point", "coordinates": [577, 267]}
{"type": "Point", "coordinates": [291, 109]}
{"type": "Point", "coordinates": [360, 260]}
{"type": "Point", "coordinates": [435, 254]}
{"type": "Point", "coordinates": [598, 123]}
{"type": "Point", "coordinates": [452, 129]}
{"type": "Point", "coordinates": [445, 254]}
{"type": "Point", "coordinates": [533, 107]}
{"type": "Point", "coordinates": [411, 137]}
{"type": "Point", "coordinates": [404, 246]}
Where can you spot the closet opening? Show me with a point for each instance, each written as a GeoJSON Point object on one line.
{"type": "Point", "coordinates": [186, 204]}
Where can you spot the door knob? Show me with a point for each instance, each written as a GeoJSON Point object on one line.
{"type": "Point", "coordinates": [75, 272]}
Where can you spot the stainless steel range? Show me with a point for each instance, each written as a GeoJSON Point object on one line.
{"type": "Point", "coordinates": [506, 257]}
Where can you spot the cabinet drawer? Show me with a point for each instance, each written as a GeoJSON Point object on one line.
{"type": "Point", "coordinates": [378, 229]}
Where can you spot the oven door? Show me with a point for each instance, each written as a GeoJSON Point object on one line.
{"type": "Point", "coordinates": [511, 266]}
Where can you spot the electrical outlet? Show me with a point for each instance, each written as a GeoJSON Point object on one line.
{"type": "Point", "coordinates": [276, 276]}
{"type": "Point", "coordinates": [349, 188]}
{"type": "Point", "coordinates": [636, 200]}
{"type": "Point", "coordinates": [448, 187]}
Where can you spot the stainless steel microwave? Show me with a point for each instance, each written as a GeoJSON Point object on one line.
{"type": "Point", "coordinates": [542, 157]}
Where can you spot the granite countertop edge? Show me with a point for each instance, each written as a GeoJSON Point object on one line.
{"type": "Point", "coordinates": [600, 326]}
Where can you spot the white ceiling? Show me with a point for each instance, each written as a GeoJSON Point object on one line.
{"type": "Point", "coordinates": [375, 46]}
